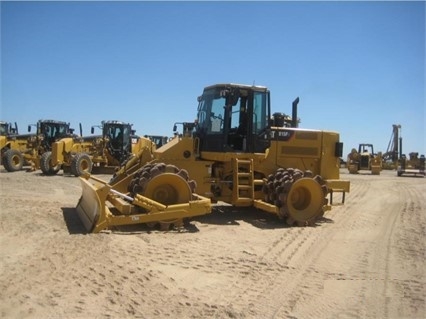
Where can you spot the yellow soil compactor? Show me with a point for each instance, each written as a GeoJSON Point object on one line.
{"type": "Point", "coordinates": [234, 152]}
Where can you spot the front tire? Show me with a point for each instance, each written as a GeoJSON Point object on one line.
{"type": "Point", "coordinates": [13, 160]}
{"type": "Point", "coordinates": [81, 164]}
{"type": "Point", "coordinates": [46, 166]}
{"type": "Point", "coordinates": [166, 184]}
{"type": "Point", "coordinates": [163, 183]}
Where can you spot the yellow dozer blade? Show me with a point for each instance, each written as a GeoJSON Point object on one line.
{"type": "Point", "coordinates": [101, 207]}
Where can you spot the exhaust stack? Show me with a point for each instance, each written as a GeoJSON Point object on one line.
{"type": "Point", "coordinates": [294, 122]}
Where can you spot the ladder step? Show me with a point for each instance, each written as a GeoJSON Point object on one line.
{"type": "Point", "coordinates": [243, 174]}
{"type": "Point", "coordinates": [243, 161]}
{"type": "Point", "coordinates": [243, 191]}
{"type": "Point", "coordinates": [244, 201]}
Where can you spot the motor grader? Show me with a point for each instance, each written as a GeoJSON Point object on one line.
{"type": "Point", "coordinates": [96, 153]}
{"type": "Point", "coordinates": [7, 131]}
{"type": "Point", "coordinates": [364, 160]}
{"type": "Point", "coordinates": [20, 149]}
{"type": "Point", "coordinates": [234, 152]}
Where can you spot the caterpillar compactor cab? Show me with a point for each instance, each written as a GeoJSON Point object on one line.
{"type": "Point", "coordinates": [234, 152]}
{"type": "Point", "coordinates": [28, 148]}
{"type": "Point", "coordinates": [98, 153]}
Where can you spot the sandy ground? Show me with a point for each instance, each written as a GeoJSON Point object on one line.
{"type": "Point", "coordinates": [365, 259]}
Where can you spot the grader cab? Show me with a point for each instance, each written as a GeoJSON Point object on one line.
{"type": "Point", "coordinates": [7, 129]}
{"type": "Point", "coordinates": [159, 140]}
{"type": "Point", "coordinates": [234, 152]}
{"type": "Point", "coordinates": [102, 153]}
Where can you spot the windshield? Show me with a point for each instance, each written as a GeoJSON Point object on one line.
{"type": "Point", "coordinates": [3, 129]}
{"type": "Point", "coordinates": [211, 112]}
{"type": "Point", "coordinates": [260, 112]}
{"type": "Point", "coordinates": [54, 130]}
{"type": "Point", "coordinates": [119, 135]}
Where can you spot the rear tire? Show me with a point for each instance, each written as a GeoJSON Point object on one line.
{"type": "Point", "coordinates": [13, 160]}
{"type": "Point", "coordinates": [45, 164]}
{"type": "Point", "coordinates": [299, 196]}
{"type": "Point", "coordinates": [81, 164]}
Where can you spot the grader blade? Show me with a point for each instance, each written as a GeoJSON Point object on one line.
{"type": "Point", "coordinates": [92, 203]}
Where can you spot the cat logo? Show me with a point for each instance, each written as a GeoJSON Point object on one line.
{"type": "Point", "coordinates": [281, 135]}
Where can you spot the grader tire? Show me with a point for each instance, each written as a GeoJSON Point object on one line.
{"type": "Point", "coordinates": [13, 160]}
{"type": "Point", "coordinates": [299, 196]}
{"type": "Point", "coordinates": [81, 164]}
{"type": "Point", "coordinates": [45, 165]}
{"type": "Point", "coordinates": [166, 184]}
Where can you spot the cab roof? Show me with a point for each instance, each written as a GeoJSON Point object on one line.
{"type": "Point", "coordinates": [236, 85]}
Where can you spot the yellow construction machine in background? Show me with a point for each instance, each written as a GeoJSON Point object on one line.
{"type": "Point", "coordinates": [7, 129]}
{"type": "Point", "coordinates": [414, 165]}
{"type": "Point", "coordinates": [98, 153]}
{"type": "Point", "coordinates": [20, 149]}
{"type": "Point", "coordinates": [235, 152]}
{"type": "Point", "coordinates": [364, 160]}
{"type": "Point", "coordinates": [159, 140]}
{"type": "Point", "coordinates": [7, 133]}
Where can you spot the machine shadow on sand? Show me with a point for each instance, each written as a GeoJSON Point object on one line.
{"type": "Point", "coordinates": [220, 215]}
{"type": "Point", "coordinates": [72, 221]}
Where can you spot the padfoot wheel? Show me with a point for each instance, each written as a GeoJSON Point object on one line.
{"type": "Point", "coordinates": [299, 196]}
{"type": "Point", "coordinates": [166, 225]}
{"type": "Point", "coordinates": [166, 184]}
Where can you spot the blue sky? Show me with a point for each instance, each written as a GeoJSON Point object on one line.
{"type": "Point", "coordinates": [358, 67]}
